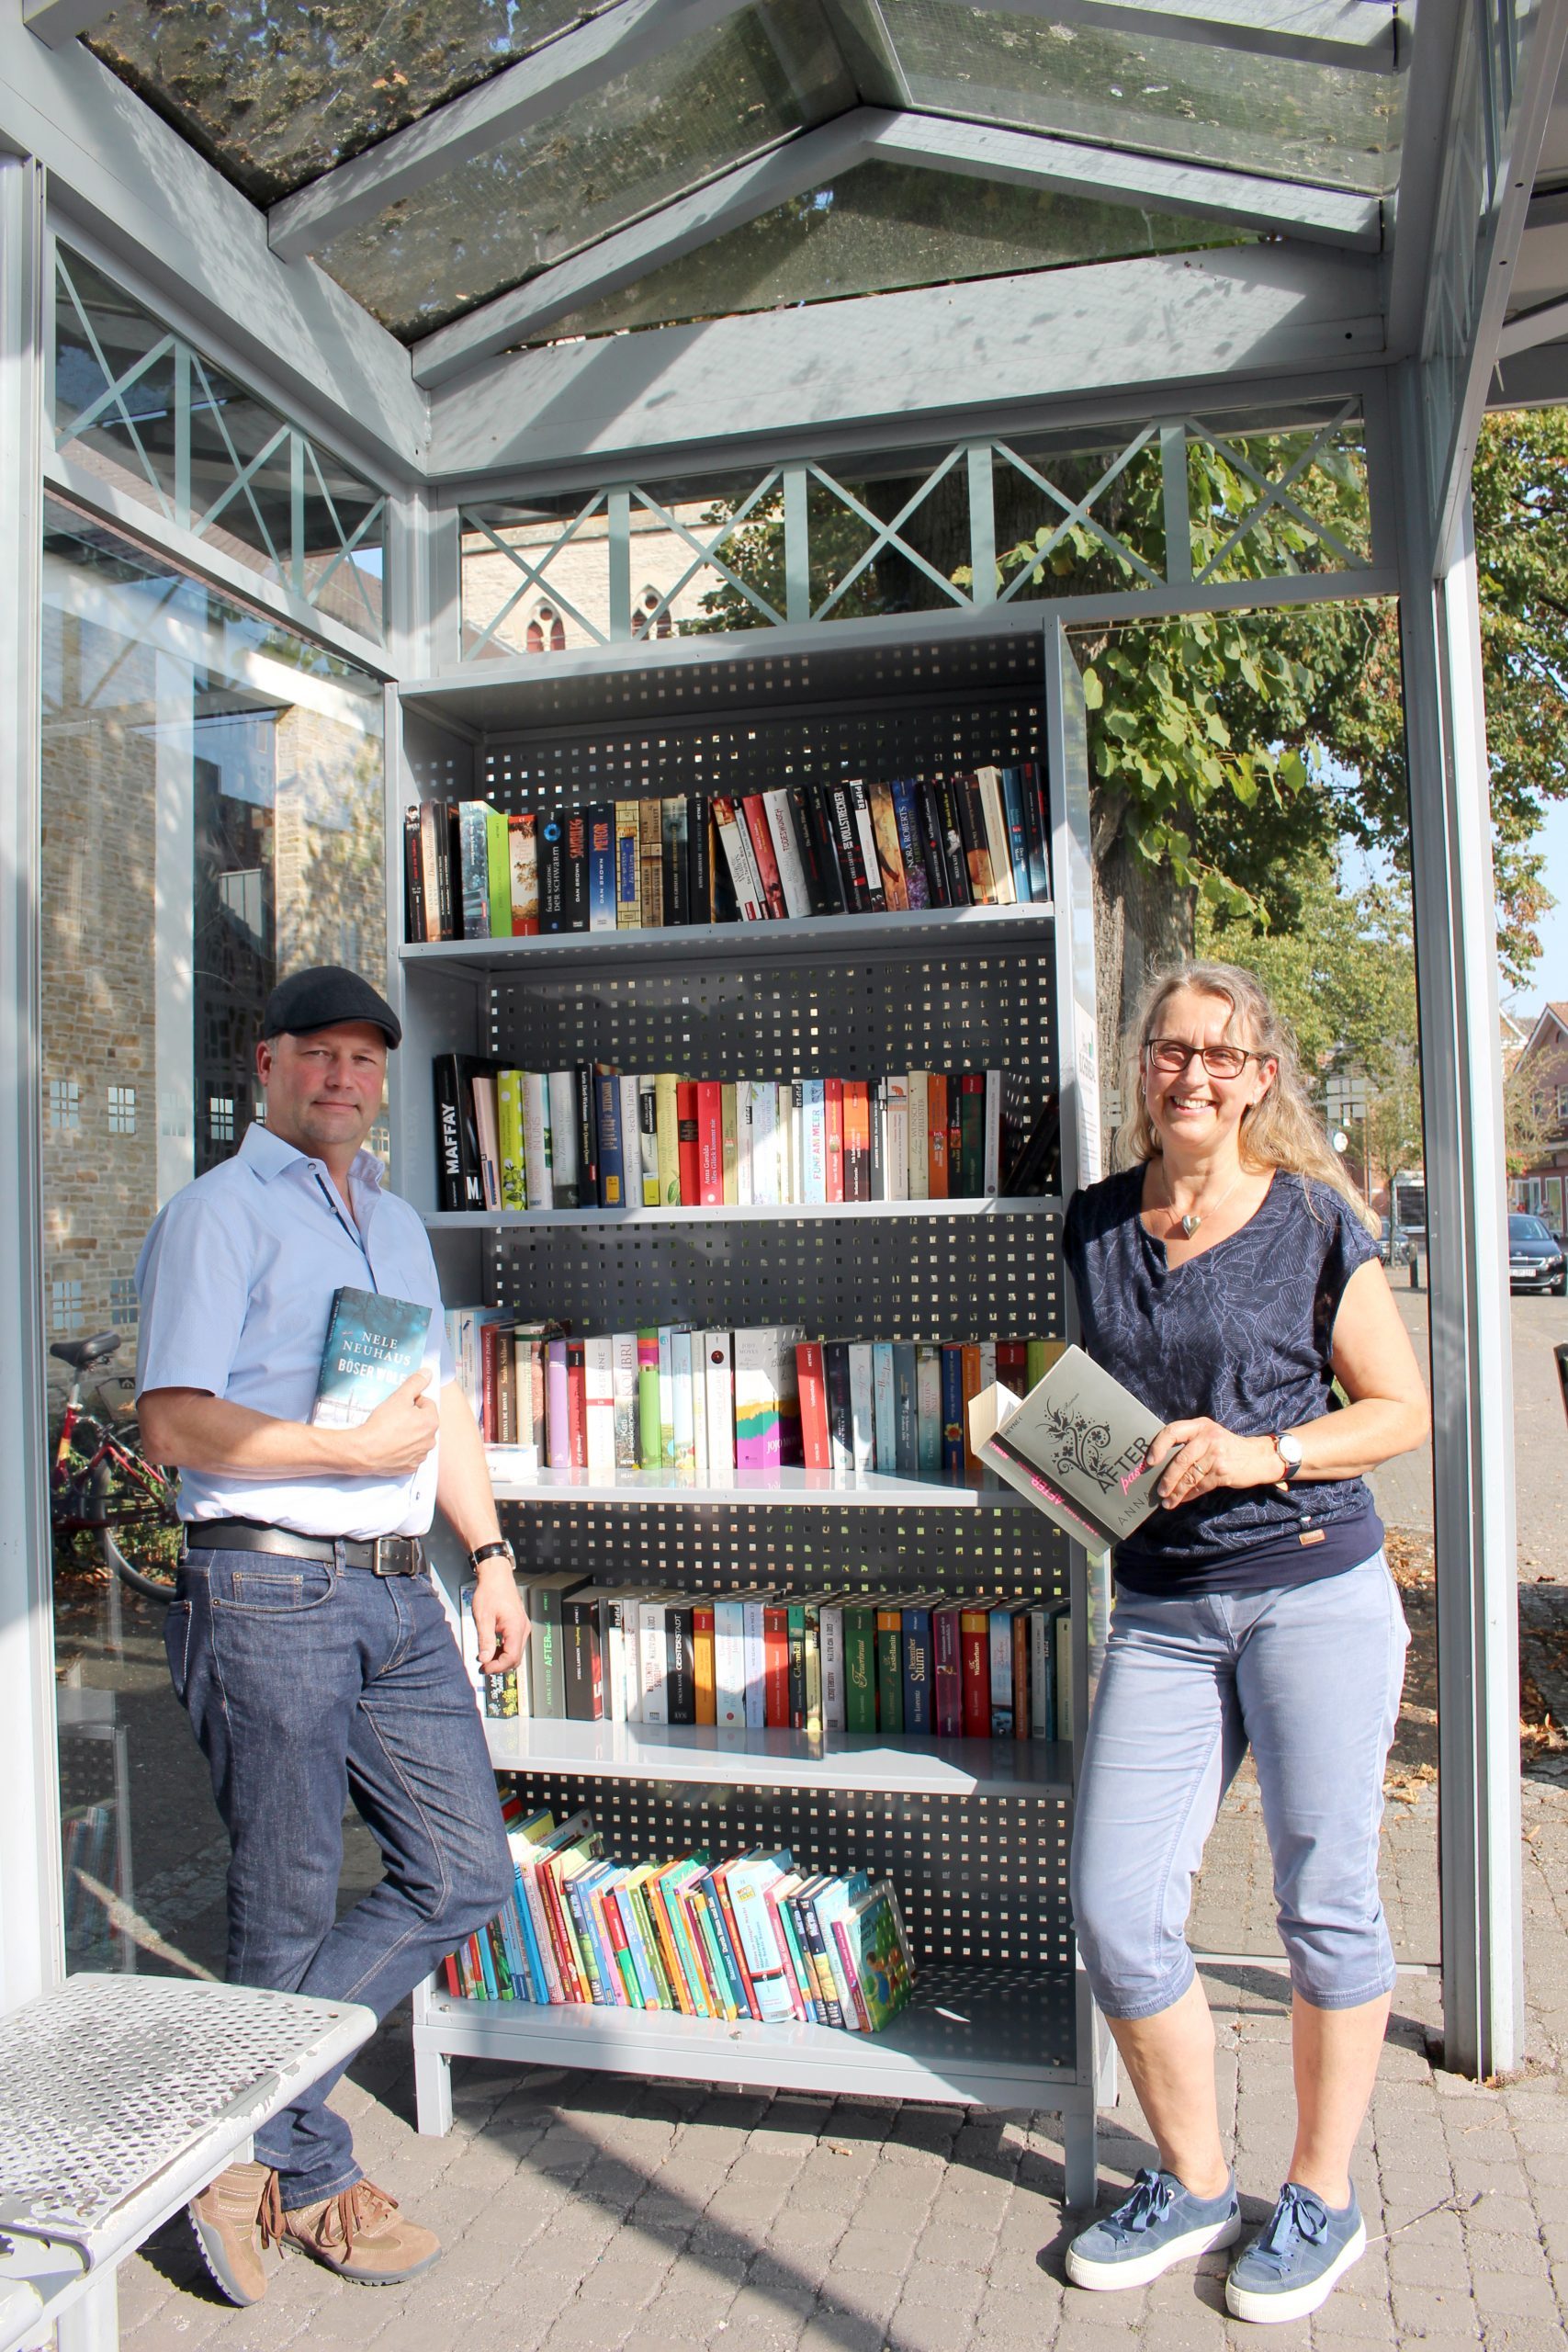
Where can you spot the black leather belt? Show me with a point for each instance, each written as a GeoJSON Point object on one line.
{"type": "Point", "coordinates": [384, 1555]}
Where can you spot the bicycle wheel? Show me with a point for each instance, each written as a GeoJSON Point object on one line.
{"type": "Point", "coordinates": [139, 1527]}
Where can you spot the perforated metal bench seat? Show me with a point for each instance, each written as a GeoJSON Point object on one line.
{"type": "Point", "coordinates": [120, 2096]}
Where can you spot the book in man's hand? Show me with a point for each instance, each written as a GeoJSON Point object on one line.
{"type": "Point", "coordinates": [373, 1345]}
{"type": "Point", "coordinates": [1075, 1446]}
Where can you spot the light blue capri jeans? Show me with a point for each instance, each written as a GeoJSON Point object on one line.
{"type": "Point", "coordinates": [1309, 1676]}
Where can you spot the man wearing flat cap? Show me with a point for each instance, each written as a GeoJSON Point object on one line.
{"type": "Point", "coordinates": [306, 1642]}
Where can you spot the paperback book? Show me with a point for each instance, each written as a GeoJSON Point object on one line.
{"type": "Point", "coordinates": [1076, 1445]}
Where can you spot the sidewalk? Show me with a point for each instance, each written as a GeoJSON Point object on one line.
{"type": "Point", "coordinates": [582, 2213]}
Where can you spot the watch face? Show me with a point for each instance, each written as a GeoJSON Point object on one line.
{"type": "Point", "coordinates": [1290, 1451]}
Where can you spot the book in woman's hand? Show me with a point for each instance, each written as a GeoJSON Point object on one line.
{"type": "Point", "coordinates": [373, 1345]}
{"type": "Point", "coordinates": [1076, 1445]}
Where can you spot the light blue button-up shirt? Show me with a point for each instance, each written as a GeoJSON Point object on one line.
{"type": "Point", "coordinates": [236, 1280]}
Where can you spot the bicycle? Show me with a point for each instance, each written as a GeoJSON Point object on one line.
{"type": "Point", "coordinates": [101, 1486]}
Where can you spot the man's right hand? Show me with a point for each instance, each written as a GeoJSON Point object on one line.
{"type": "Point", "coordinates": [398, 1435]}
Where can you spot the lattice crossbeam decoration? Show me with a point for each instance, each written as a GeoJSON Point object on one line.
{"type": "Point", "coordinates": [195, 393]}
{"type": "Point", "coordinates": [613, 608]}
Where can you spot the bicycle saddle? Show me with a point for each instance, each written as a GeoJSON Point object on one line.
{"type": "Point", "coordinates": [80, 1353]}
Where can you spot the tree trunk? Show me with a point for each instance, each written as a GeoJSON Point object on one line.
{"type": "Point", "coordinates": [1143, 921]}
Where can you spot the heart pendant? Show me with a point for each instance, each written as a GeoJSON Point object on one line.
{"type": "Point", "coordinates": [1190, 1226]}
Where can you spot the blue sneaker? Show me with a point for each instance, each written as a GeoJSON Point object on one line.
{"type": "Point", "coordinates": [1160, 2224]}
{"type": "Point", "coordinates": [1293, 2263]}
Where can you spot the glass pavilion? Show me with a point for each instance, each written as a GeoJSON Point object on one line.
{"type": "Point", "coordinates": [341, 345]}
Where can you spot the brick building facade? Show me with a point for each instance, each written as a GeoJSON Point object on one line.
{"type": "Point", "coordinates": [1543, 1186]}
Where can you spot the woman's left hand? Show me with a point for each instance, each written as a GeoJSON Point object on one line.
{"type": "Point", "coordinates": [1202, 1454]}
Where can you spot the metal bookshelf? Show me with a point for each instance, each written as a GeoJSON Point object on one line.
{"type": "Point", "coordinates": [975, 1833]}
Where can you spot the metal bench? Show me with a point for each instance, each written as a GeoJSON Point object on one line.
{"type": "Point", "coordinates": [120, 2098]}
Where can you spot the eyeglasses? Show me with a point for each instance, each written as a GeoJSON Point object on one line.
{"type": "Point", "coordinates": [1171, 1055]}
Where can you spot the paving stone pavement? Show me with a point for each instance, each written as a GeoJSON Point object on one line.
{"type": "Point", "coordinates": [583, 2213]}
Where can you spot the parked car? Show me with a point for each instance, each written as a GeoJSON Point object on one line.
{"type": "Point", "coordinates": [1394, 1248]}
{"type": "Point", "coordinates": [1536, 1259]}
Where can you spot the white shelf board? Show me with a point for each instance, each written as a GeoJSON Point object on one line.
{"type": "Point", "coordinates": [853, 1761]}
{"type": "Point", "coordinates": [998, 2038]}
{"type": "Point", "coordinates": [772, 1213]}
{"type": "Point", "coordinates": [678, 942]}
{"type": "Point", "coordinates": [778, 1486]}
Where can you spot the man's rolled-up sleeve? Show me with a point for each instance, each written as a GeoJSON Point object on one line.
{"type": "Point", "coordinates": [193, 1279]}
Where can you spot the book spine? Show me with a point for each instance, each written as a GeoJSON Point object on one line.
{"type": "Point", "coordinates": [413, 875]}
{"type": "Point", "coordinates": [989, 780]}
{"type": "Point", "coordinates": [730, 825]}
{"type": "Point", "coordinates": [673, 844]}
{"type": "Point", "coordinates": [1037, 831]}
{"type": "Point", "coordinates": [947, 1674]}
{"type": "Point", "coordinates": [650, 1449]}
{"type": "Point", "coordinates": [852, 858]}
{"type": "Point", "coordinates": [760, 839]}
{"type": "Point", "coordinates": [865, 840]}
{"type": "Point", "coordinates": [1018, 836]}
{"type": "Point", "coordinates": [813, 1405]}
{"type": "Point", "coordinates": [552, 871]}
{"type": "Point", "coordinates": [729, 1664]}
{"type": "Point", "coordinates": [890, 1669]}
{"type": "Point", "coordinates": [917, 1673]}
{"type": "Point", "coordinates": [830, 1639]}
{"type": "Point", "coordinates": [718, 1382]}
{"type": "Point", "coordinates": [952, 1438]}
{"type": "Point", "coordinates": [537, 1140]}
{"type": "Point", "coordinates": [905, 803]}
{"type": "Point", "coordinates": [648, 1142]}
{"type": "Point", "coordinates": [667, 1137]}
{"type": "Point", "coordinates": [1000, 1653]}
{"type": "Point", "coordinates": [838, 1390]}
{"type": "Point", "coordinates": [651, 860]}
{"type": "Point", "coordinates": [610, 1186]}
{"type": "Point", "coordinates": [687, 1143]}
{"type": "Point", "coordinates": [976, 842]}
{"type": "Point", "coordinates": [939, 886]}
{"type": "Point", "coordinates": [710, 1144]}
{"type": "Point", "coordinates": [473, 835]}
{"type": "Point", "coordinates": [628, 865]}
{"type": "Point", "coordinates": [576, 912]}
{"type": "Point", "coordinates": [818, 829]}
{"type": "Point", "coordinates": [1020, 1723]}
{"type": "Point", "coordinates": [498, 847]}
{"type": "Point", "coordinates": [884, 1407]}
{"type": "Point", "coordinates": [523, 844]}
{"type": "Point", "coordinates": [566, 1126]}
{"type": "Point", "coordinates": [699, 859]}
{"type": "Point", "coordinates": [800, 901]}
{"type": "Point", "coordinates": [860, 1668]}
{"type": "Point", "coordinates": [889, 851]}
{"type": "Point", "coordinates": [975, 1667]}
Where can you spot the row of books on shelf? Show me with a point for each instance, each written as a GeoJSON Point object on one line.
{"type": "Point", "coordinates": [975, 838]}
{"type": "Point", "coordinates": [704, 1404]}
{"type": "Point", "coordinates": [918, 1666]}
{"type": "Point", "coordinates": [591, 1137]}
{"type": "Point", "coordinates": [748, 1937]}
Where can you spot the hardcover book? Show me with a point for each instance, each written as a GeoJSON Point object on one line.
{"type": "Point", "coordinates": [1075, 1445]}
{"type": "Point", "coordinates": [373, 1344]}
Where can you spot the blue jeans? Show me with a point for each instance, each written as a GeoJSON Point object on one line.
{"type": "Point", "coordinates": [1309, 1676]}
{"type": "Point", "coordinates": [306, 1685]}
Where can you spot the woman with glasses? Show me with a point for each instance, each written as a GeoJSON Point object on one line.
{"type": "Point", "coordinates": [1229, 1277]}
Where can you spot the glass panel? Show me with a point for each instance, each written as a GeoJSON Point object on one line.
{"type": "Point", "coordinates": [646, 136]}
{"type": "Point", "coordinates": [885, 225]}
{"type": "Point", "coordinates": [144, 411]}
{"type": "Point", "coordinates": [1285, 118]}
{"type": "Point", "coordinates": [278, 91]}
{"type": "Point", "coordinates": [114, 386]}
{"type": "Point", "coordinates": [212, 816]}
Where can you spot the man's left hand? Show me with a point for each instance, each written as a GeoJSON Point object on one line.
{"type": "Point", "coordinates": [501, 1622]}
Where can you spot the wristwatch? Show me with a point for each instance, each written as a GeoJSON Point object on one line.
{"type": "Point", "coordinates": [1289, 1450]}
{"type": "Point", "coordinates": [499, 1550]}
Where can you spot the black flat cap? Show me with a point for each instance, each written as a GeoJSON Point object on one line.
{"type": "Point", "coordinates": [321, 998]}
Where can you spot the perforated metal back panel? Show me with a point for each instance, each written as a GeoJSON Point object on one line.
{"type": "Point", "coordinates": [982, 1881]}
{"type": "Point", "coordinates": [1014, 1555]}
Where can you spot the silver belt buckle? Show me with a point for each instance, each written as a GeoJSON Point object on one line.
{"type": "Point", "coordinates": [396, 1555]}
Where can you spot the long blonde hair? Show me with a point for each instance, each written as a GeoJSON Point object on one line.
{"type": "Point", "coordinates": [1283, 1130]}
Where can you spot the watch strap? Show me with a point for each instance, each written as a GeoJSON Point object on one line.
{"type": "Point", "coordinates": [499, 1550]}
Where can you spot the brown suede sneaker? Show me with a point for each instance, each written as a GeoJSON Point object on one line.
{"type": "Point", "coordinates": [233, 2218]}
{"type": "Point", "coordinates": [361, 2236]}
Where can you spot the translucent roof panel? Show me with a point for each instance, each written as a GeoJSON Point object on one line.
{"type": "Point", "coordinates": [641, 138]}
{"type": "Point", "coordinates": [1333, 125]}
{"type": "Point", "coordinates": [275, 92]}
{"type": "Point", "coordinates": [886, 225]}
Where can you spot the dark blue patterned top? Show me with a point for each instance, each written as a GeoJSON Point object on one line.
{"type": "Point", "coordinates": [1241, 1333]}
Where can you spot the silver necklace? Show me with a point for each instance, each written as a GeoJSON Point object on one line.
{"type": "Point", "coordinates": [1194, 1217]}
